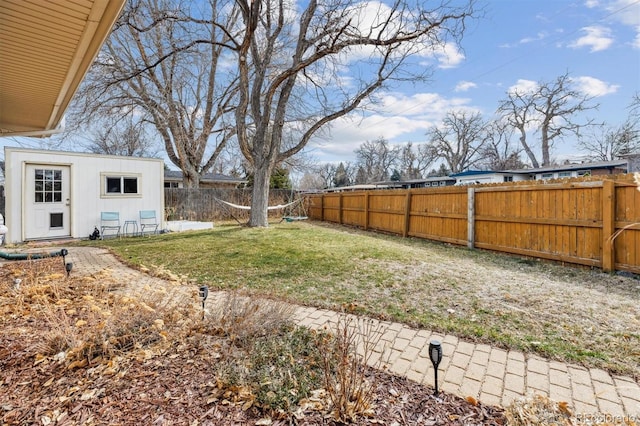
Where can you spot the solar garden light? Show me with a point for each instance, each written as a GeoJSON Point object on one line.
{"type": "Point", "coordinates": [64, 253]}
{"type": "Point", "coordinates": [68, 267]}
{"type": "Point", "coordinates": [204, 292]}
{"type": "Point", "coordinates": [435, 353]}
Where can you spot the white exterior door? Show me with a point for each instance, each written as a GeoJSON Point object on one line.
{"type": "Point", "coordinates": [47, 201]}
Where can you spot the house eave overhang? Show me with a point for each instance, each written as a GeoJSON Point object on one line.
{"type": "Point", "coordinates": [46, 49]}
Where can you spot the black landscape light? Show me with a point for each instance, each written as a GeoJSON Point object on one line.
{"type": "Point", "coordinates": [204, 293]}
{"type": "Point", "coordinates": [435, 353]}
{"type": "Point", "coordinates": [64, 253]}
{"type": "Point", "coordinates": [68, 267]}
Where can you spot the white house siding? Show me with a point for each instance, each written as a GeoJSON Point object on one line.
{"type": "Point", "coordinates": [87, 194]}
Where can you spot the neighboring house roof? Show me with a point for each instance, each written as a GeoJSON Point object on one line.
{"type": "Point", "coordinates": [358, 187]}
{"type": "Point", "coordinates": [176, 175]}
{"type": "Point", "coordinates": [415, 181]}
{"type": "Point", "coordinates": [560, 168]}
{"type": "Point", "coordinates": [476, 173]}
{"type": "Point", "coordinates": [46, 49]}
{"type": "Point", "coordinates": [429, 179]}
{"type": "Point", "coordinates": [573, 166]}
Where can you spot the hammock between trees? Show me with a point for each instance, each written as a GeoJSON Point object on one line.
{"type": "Point", "coordinates": [279, 206]}
{"type": "Point", "coordinates": [288, 218]}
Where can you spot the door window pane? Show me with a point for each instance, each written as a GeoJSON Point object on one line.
{"type": "Point", "coordinates": [47, 186]}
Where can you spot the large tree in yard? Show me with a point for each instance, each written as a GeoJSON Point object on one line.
{"type": "Point", "coordinates": [164, 65]}
{"type": "Point", "coordinates": [302, 66]}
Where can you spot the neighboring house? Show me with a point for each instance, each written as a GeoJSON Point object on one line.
{"type": "Point", "coordinates": [54, 194]}
{"type": "Point", "coordinates": [471, 177]}
{"type": "Point", "coordinates": [173, 179]}
{"type": "Point", "coordinates": [581, 169]}
{"type": "Point", "coordinates": [362, 187]}
{"type": "Point", "coordinates": [430, 182]}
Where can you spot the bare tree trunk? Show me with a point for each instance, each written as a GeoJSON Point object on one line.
{"type": "Point", "coordinates": [260, 197]}
{"type": "Point", "coordinates": [546, 157]}
{"type": "Point", "coordinates": [527, 149]}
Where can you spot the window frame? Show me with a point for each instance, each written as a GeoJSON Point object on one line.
{"type": "Point", "coordinates": [104, 190]}
{"type": "Point", "coordinates": [47, 187]}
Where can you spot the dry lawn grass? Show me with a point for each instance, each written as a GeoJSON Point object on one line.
{"type": "Point", "coordinates": [561, 312]}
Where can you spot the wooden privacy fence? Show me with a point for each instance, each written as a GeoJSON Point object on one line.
{"type": "Point", "coordinates": [595, 223]}
{"type": "Point", "coordinates": [202, 203]}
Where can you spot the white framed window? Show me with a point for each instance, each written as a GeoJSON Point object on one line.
{"type": "Point", "coordinates": [546, 176]}
{"type": "Point", "coordinates": [564, 174]}
{"type": "Point", "coordinates": [48, 186]}
{"type": "Point", "coordinates": [120, 185]}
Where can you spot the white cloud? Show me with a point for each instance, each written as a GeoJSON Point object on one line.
{"type": "Point", "coordinates": [596, 37]}
{"type": "Point", "coordinates": [540, 36]}
{"type": "Point", "coordinates": [590, 4]}
{"type": "Point", "coordinates": [626, 12]}
{"type": "Point", "coordinates": [430, 105]}
{"type": "Point", "coordinates": [399, 119]}
{"type": "Point", "coordinates": [449, 56]}
{"type": "Point", "coordinates": [463, 86]}
{"type": "Point", "coordinates": [591, 86]}
{"type": "Point", "coordinates": [636, 41]}
{"type": "Point", "coordinates": [523, 86]}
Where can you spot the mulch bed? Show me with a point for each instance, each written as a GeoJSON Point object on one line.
{"type": "Point", "coordinates": [177, 388]}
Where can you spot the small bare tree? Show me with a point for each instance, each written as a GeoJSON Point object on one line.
{"type": "Point", "coordinates": [122, 137]}
{"type": "Point", "coordinates": [458, 141]}
{"type": "Point", "coordinates": [608, 144]}
{"type": "Point", "coordinates": [498, 152]}
{"type": "Point", "coordinates": [377, 159]}
{"type": "Point", "coordinates": [413, 164]}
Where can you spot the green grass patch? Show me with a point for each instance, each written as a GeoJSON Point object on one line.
{"type": "Point", "coordinates": [565, 313]}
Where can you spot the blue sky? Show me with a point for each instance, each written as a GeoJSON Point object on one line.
{"type": "Point", "coordinates": [517, 42]}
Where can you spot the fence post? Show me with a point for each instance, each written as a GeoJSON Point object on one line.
{"type": "Point", "coordinates": [407, 214]}
{"type": "Point", "coordinates": [322, 207]}
{"type": "Point", "coordinates": [471, 205]}
{"type": "Point", "coordinates": [608, 225]}
{"type": "Point", "coordinates": [366, 210]}
{"type": "Point", "coordinates": [340, 209]}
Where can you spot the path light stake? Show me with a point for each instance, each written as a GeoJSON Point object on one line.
{"type": "Point", "coordinates": [64, 253]}
{"type": "Point", "coordinates": [204, 292]}
{"type": "Point", "coordinates": [435, 353]}
{"type": "Point", "coordinates": [68, 267]}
